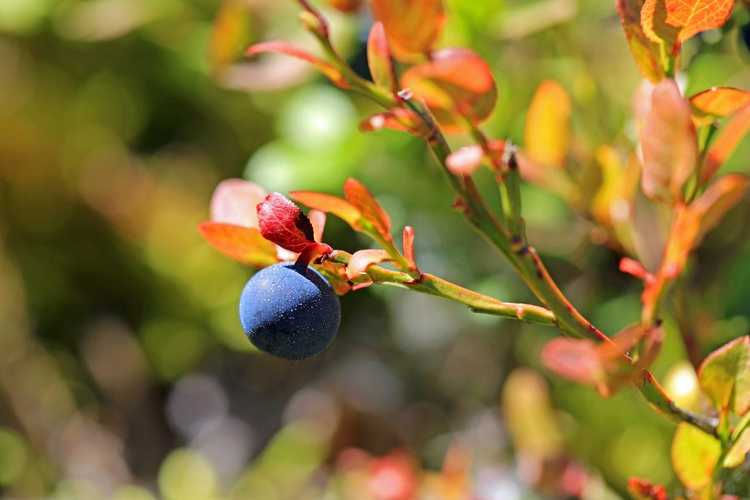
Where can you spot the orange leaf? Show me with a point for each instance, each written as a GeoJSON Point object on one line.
{"type": "Point", "coordinates": [412, 26]}
{"type": "Point", "coordinates": [358, 195]}
{"type": "Point", "coordinates": [379, 58]}
{"type": "Point", "coordinates": [362, 259]}
{"type": "Point", "coordinates": [644, 50]}
{"type": "Point", "coordinates": [718, 199]}
{"type": "Point", "coordinates": [668, 142]}
{"type": "Point", "coordinates": [547, 131]}
{"type": "Point", "coordinates": [330, 204]}
{"type": "Point", "coordinates": [720, 101]}
{"type": "Point", "coordinates": [456, 84]}
{"type": "Point", "coordinates": [724, 145]}
{"type": "Point", "coordinates": [694, 16]}
{"type": "Point", "coordinates": [694, 221]}
{"type": "Point", "coordinates": [243, 244]}
{"type": "Point", "coordinates": [655, 27]}
{"type": "Point", "coordinates": [328, 69]}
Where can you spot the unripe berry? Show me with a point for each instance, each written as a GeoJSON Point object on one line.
{"type": "Point", "coordinates": [290, 311]}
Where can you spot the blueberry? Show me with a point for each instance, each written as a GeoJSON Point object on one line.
{"type": "Point", "coordinates": [290, 311]}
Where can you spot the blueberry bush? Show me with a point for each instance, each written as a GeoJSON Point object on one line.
{"type": "Point", "coordinates": [654, 206]}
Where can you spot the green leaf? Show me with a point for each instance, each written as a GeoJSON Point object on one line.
{"type": "Point", "coordinates": [725, 376]}
{"type": "Point", "coordinates": [694, 456]}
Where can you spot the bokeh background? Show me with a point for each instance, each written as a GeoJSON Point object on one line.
{"type": "Point", "coordinates": [124, 372]}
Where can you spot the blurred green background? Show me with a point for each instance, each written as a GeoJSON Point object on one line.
{"type": "Point", "coordinates": [124, 372]}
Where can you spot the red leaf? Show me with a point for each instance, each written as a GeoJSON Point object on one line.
{"type": "Point", "coordinates": [358, 195]}
{"type": "Point", "coordinates": [243, 244]}
{"type": "Point", "coordinates": [456, 84]}
{"type": "Point", "coordinates": [330, 204]}
{"type": "Point", "coordinates": [733, 131]}
{"type": "Point", "coordinates": [412, 26]}
{"type": "Point", "coordinates": [669, 144]}
{"type": "Point", "coordinates": [379, 58]}
{"type": "Point", "coordinates": [642, 489]}
{"type": "Point", "coordinates": [719, 101]}
{"type": "Point", "coordinates": [362, 259]}
{"type": "Point", "coordinates": [644, 50]}
{"type": "Point", "coordinates": [324, 67]}
{"type": "Point", "coordinates": [283, 223]}
{"type": "Point", "coordinates": [694, 16]}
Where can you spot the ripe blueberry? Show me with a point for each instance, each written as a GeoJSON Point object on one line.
{"type": "Point", "coordinates": [290, 311]}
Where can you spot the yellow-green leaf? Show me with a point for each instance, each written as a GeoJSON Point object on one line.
{"type": "Point", "coordinates": [694, 456]}
{"type": "Point", "coordinates": [725, 376]}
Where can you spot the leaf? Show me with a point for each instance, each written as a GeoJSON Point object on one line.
{"type": "Point", "coordinates": [328, 69]}
{"type": "Point", "coordinates": [718, 199]}
{"type": "Point", "coordinates": [655, 27]}
{"type": "Point", "coordinates": [668, 141]}
{"type": "Point", "coordinates": [456, 84]}
{"type": "Point", "coordinates": [644, 50]}
{"type": "Point", "coordinates": [694, 456]}
{"type": "Point", "coordinates": [372, 213]}
{"type": "Point", "coordinates": [739, 450]}
{"type": "Point", "coordinates": [329, 204]}
{"type": "Point", "coordinates": [362, 259]}
{"type": "Point", "coordinates": [730, 136]}
{"type": "Point", "coordinates": [725, 376]}
{"type": "Point", "coordinates": [283, 223]}
{"type": "Point", "coordinates": [243, 244]}
{"type": "Point", "coordinates": [573, 359]}
{"type": "Point", "coordinates": [379, 58]}
{"type": "Point", "coordinates": [547, 131]}
{"type": "Point", "coordinates": [231, 33]}
{"type": "Point", "coordinates": [718, 102]}
{"type": "Point", "coordinates": [641, 489]}
{"type": "Point", "coordinates": [613, 202]}
{"type": "Point", "coordinates": [412, 26]}
{"type": "Point", "coordinates": [234, 201]}
{"type": "Point", "coordinates": [318, 223]}
{"type": "Point", "coordinates": [694, 16]}
{"type": "Point", "coordinates": [400, 119]}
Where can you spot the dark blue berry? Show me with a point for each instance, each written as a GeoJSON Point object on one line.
{"type": "Point", "coordinates": [290, 311]}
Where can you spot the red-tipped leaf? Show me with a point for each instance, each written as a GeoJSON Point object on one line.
{"type": "Point", "coordinates": [328, 69]}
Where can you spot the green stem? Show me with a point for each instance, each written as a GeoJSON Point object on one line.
{"type": "Point", "coordinates": [439, 287]}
